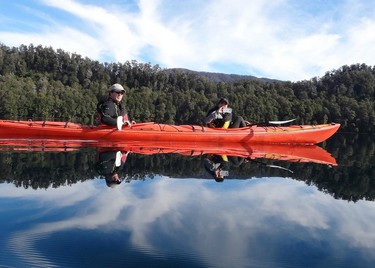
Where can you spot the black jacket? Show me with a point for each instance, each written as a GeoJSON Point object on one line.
{"type": "Point", "coordinates": [106, 163]}
{"type": "Point", "coordinates": [109, 111]}
{"type": "Point", "coordinates": [215, 119]}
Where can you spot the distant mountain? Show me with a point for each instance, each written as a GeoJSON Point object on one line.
{"type": "Point", "coordinates": [221, 77]}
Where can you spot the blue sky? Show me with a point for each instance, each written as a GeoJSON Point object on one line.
{"type": "Point", "coordinates": [282, 39]}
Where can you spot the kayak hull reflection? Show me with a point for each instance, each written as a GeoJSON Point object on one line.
{"type": "Point", "coordinates": [282, 152]}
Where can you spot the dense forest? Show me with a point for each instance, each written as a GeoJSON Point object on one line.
{"type": "Point", "coordinates": [41, 83]}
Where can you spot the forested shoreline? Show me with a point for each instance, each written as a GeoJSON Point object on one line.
{"type": "Point", "coordinates": [41, 83]}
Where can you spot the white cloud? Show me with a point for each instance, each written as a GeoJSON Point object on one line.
{"type": "Point", "coordinates": [285, 39]}
{"type": "Point", "coordinates": [60, 197]}
{"type": "Point", "coordinates": [68, 39]}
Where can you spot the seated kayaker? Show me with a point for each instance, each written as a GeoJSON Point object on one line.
{"type": "Point", "coordinates": [221, 116]}
{"type": "Point", "coordinates": [111, 108]}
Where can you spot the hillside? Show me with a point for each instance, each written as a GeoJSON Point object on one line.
{"type": "Point", "coordinates": [43, 83]}
{"type": "Point", "coordinates": [221, 77]}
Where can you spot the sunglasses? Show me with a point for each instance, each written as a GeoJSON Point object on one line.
{"type": "Point", "coordinates": [120, 93]}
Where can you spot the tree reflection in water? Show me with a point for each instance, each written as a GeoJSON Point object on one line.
{"type": "Point", "coordinates": [43, 167]}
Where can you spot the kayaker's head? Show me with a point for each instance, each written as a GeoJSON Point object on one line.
{"type": "Point", "coordinates": [116, 91]}
{"type": "Point", "coordinates": [222, 102]}
{"type": "Point", "coordinates": [220, 174]}
{"type": "Point", "coordinates": [112, 180]}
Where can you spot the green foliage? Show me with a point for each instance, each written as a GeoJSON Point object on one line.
{"type": "Point", "coordinates": [41, 83]}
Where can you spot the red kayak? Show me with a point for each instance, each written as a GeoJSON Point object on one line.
{"type": "Point", "coordinates": [283, 152]}
{"type": "Point", "coordinates": [294, 134]}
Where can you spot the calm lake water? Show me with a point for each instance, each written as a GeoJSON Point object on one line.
{"type": "Point", "coordinates": [57, 210]}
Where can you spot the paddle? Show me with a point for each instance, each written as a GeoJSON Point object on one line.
{"type": "Point", "coordinates": [279, 167]}
{"type": "Point", "coordinates": [280, 122]}
{"type": "Point", "coordinates": [270, 166]}
{"type": "Point", "coordinates": [274, 122]}
{"type": "Point", "coordinates": [120, 123]}
{"type": "Point", "coordinates": [118, 159]}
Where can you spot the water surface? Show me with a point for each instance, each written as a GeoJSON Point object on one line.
{"type": "Point", "coordinates": [57, 211]}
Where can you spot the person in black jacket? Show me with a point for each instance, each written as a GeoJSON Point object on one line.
{"type": "Point", "coordinates": [221, 116]}
{"type": "Point", "coordinates": [111, 108]}
{"type": "Point", "coordinates": [218, 165]}
{"type": "Point", "coordinates": [109, 164]}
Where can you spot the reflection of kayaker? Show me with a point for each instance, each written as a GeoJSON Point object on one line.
{"type": "Point", "coordinates": [218, 165]}
{"type": "Point", "coordinates": [109, 165]}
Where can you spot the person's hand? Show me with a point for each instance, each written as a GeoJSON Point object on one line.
{"type": "Point", "coordinates": [121, 122]}
{"type": "Point", "coordinates": [221, 110]}
{"type": "Point", "coordinates": [225, 110]}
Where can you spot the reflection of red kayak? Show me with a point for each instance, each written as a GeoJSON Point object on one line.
{"type": "Point", "coordinates": [296, 134]}
{"type": "Point", "coordinates": [291, 153]}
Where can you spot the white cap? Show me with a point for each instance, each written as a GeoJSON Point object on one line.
{"type": "Point", "coordinates": [117, 88]}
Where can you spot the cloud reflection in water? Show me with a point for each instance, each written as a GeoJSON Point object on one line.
{"type": "Point", "coordinates": [217, 222]}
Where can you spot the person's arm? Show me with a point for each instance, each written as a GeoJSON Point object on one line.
{"type": "Point", "coordinates": [126, 117]}
{"type": "Point", "coordinates": [212, 116]}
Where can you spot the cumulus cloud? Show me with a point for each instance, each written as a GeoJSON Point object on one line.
{"type": "Point", "coordinates": [283, 39]}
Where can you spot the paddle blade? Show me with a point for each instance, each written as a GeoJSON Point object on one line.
{"type": "Point", "coordinates": [281, 122]}
{"type": "Point", "coordinates": [283, 168]}
{"type": "Point", "coordinates": [119, 123]}
{"type": "Point", "coordinates": [118, 159]}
